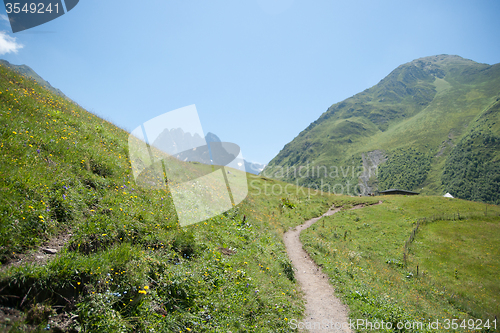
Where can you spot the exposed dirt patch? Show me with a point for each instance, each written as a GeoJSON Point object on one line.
{"type": "Point", "coordinates": [226, 251]}
{"type": "Point", "coordinates": [368, 179]}
{"type": "Point", "coordinates": [63, 322]}
{"type": "Point", "coordinates": [8, 317]}
{"type": "Point", "coordinates": [56, 316]}
{"type": "Point", "coordinates": [323, 310]}
{"type": "Point", "coordinates": [444, 145]}
{"type": "Point", "coordinates": [41, 255]}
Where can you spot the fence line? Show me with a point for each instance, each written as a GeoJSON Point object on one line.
{"type": "Point", "coordinates": [424, 220]}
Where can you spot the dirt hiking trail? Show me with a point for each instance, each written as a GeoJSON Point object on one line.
{"type": "Point", "coordinates": [323, 309]}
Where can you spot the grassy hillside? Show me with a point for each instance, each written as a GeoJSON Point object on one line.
{"type": "Point", "coordinates": [83, 248]}
{"type": "Point", "coordinates": [27, 71]}
{"type": "Point", "coordinates": [125, 264]}
{"type": "Point", "coordinates": [420, 116]}
{"type": "Point", "coordinates": [472, 171]}
{"type": "Point", "coordinates": [371, 257]}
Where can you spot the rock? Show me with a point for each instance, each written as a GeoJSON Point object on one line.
{"type": "Point", "coordinates": [49, 251]}
{"type": "Point", "coordinates": [226, 251]}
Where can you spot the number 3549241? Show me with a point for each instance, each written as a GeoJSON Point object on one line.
{"type": "Point", "coordinates": [31, 8]}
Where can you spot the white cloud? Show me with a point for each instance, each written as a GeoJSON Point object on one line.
{"type": "Point", "coordinates": [8, 44]}
{"type": "Point", "coordinates": [4, 18]}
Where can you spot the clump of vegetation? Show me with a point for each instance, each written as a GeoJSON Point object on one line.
{"type": "Point", "coordinates": [285, 202]}
{"type": "Point", "coordinates": [405, 169]}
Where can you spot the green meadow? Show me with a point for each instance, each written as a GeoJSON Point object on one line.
{"type": "Point", "coordinates": [449, 269]}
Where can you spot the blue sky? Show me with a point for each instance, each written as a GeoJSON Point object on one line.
{"type": "Point", "coordinates": [258, 71]}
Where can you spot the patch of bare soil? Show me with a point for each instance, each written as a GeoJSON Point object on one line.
{"type": "Point", "coordinates": [41, 255]}
{"type": "Point", "coordinates": [371, 161]}
{"type": "Point", "coordinates": [8, 317]}
{"type": "Point", "coordinates": [324, 311]}
{"type": "Point", "coordinates": [57, 322]}
{"type": "Point", "coordinates": [62, 322]}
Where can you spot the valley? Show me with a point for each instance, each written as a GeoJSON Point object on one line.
{"type": "Point", "coordinates": [84, 248]}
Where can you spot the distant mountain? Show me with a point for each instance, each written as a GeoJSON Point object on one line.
{"type": "Point", "coordinates": [211, 137]}
{"type": "Point", "coordinates": [27, 71]}
{"type": "Point", "coordinates": [176, 141]}
{"type": "Point", "coordinates": [250, 167]}
{"type": "Point", "coordinates": [255, 168]}
{"type": "Point", "coordinates": [432, 125]}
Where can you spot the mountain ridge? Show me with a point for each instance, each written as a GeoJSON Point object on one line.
{"type": "Point", "coordinates": [28, 71]}
{"type": "Point", "coordinates": [416, 108]}
{"type": "Point", "coordinates": [251, 167]}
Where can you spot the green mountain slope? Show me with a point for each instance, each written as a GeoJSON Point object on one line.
{"type": "Point", "coordinates": [29, 72]}
{"type": "Point", "coordinates": [413, 123]}
{"type": "Point", "coordinates": [83, 248]}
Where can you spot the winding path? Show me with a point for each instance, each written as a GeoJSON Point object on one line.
{"type": "Point", "coordinates": [324, 311]}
